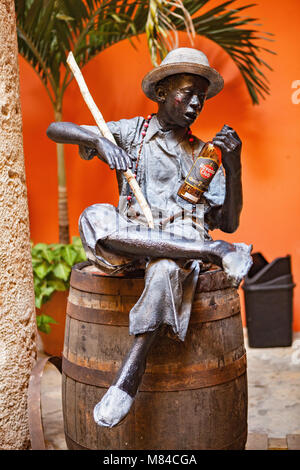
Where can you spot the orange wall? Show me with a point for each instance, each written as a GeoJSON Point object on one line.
{"type": "Point", "coordinates": [270, 135]}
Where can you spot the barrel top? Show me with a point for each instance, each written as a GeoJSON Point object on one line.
{"type": "Point", "coordinates": [88, 278]}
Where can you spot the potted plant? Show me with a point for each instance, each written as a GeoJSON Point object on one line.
{"type": "Point", "coordinates": [52, 265]}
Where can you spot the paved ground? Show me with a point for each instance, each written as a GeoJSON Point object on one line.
{"type": "Point", "coordinates": [273, 391]}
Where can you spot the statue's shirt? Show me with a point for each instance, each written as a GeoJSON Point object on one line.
{"type": "Point", "coordinates": [165, 160]}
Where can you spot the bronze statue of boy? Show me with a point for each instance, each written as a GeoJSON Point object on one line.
{"type": "Point", "coordinates": [160, 150]}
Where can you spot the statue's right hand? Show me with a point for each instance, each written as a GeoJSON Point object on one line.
{"type": "Point", "coordinates": [114, 156]}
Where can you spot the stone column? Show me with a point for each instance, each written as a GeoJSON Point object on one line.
{"type": "Point", "coordinates": [17, 311]}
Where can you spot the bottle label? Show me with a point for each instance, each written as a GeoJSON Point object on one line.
{"type": "Point", "coordinates": [191, 197]}
{"type": "Point", "coordinates": [202, 172]}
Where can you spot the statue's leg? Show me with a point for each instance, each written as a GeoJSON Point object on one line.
{"type": "Point", "coordinates": [117, 401]}
{"type": "Point", "coordinates": [166, 299]}
{"type": "Point", "coordinates": [234, 258]}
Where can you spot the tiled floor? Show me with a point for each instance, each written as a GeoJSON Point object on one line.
{"type": "Point", "coordinates": [273, 394]}
{"type": "Point", "coordinates": [274, 390]}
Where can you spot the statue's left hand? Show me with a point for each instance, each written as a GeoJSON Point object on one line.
{"type": "Point", "coordinates": [230, 144]}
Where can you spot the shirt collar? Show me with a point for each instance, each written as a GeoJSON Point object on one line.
{"type": "Point", "coordinates": [154, 128]}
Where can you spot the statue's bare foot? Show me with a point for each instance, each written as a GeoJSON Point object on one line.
{"type": "Point", "coordinates": [236, 264]}
{"type": "Point", "coordinates": [113, 407]}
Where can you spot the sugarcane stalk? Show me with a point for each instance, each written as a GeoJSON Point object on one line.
{"type": "Point", "coordinates": [108, 135]}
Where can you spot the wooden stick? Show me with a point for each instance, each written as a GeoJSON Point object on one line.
{"type": "Point", "coordinates": [108, 135]}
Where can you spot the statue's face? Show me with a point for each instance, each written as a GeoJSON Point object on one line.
{"type": "Point", "coordinates": [181, 98]}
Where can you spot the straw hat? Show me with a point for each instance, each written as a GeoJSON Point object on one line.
{"type": "Point", "coordinates": [183, 60]}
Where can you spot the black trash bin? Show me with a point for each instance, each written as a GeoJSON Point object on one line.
{"type": "Point", "coordinates": [268, 291]}
{"type": "Point", "coordinates": [262, 271]}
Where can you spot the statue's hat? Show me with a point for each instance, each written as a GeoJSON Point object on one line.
{"type": "Point", "coordinates": [183, 60]}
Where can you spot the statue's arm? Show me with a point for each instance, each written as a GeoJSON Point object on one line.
{"type": "Point", "coordinates": [70, 133]}
{"type": "Point", "coordinates": [226, 217]}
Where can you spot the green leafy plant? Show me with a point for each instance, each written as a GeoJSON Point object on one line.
{"type": "Point", "coordinates": [52, 265]}
{"type": "Point", "coordinates": [43, 323]}
{"type": "Point", "coordinates": [49, 29]}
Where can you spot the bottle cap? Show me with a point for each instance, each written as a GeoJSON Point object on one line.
{"type": "Point", "coordinates": [217, 150]}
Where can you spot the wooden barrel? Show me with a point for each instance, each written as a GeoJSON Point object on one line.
{"type": "Point", "coordinates": [193, 394]}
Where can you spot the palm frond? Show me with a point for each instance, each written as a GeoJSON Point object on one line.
{"type": "Point", "coordinates": [161, 31]}
{"type": "Point", "coordinates": [42, 40]}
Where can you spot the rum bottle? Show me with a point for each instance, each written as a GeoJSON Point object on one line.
{"type": "Point", "coordinates": [200, 175]}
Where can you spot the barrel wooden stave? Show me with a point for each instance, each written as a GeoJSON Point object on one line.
{"type": "Point", "coordinates": [193, 394]}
